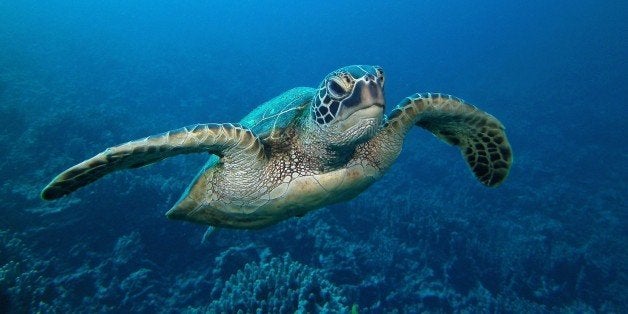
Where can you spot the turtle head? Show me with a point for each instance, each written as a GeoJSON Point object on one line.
{"type": "Point", "coordinates": [349, 105]}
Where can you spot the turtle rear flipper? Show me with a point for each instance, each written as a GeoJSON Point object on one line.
{"type": "Point", "coordinates": [480, 136]}
{"type": "Point", "coordinates": [219, 139]}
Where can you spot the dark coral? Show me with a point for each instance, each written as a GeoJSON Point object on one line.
{"type": "Point", "coordinates": [279, 285]}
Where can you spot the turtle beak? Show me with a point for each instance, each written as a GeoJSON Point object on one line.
{"type": "Point", "coordinates": [366, 93]}
{"type": "Point", "coordinates": [372, 92]}
{"type": "Point", "coordinates": [366, 103]}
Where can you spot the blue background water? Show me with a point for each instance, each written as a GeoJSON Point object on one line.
{"type": "Point", "coordinates": [79, 76]}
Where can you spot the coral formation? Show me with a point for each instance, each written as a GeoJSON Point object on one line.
{"type": "Point", "coordinates": [279, 285]}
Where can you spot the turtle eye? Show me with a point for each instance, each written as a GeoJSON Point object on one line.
{"type": "Point", "coordinates": [335, 89]}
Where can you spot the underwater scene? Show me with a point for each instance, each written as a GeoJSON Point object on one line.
{"type": "Point", "coordinates": [434, 231]}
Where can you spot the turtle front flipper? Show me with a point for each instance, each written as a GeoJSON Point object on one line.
{"type": "Point", "coordinates": [224, 140]}
{"type": "Point", "coordinates": [480, 136]}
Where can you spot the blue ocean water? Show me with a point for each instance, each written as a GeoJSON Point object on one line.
{"type": "Point", "coordinates": [79, 76]}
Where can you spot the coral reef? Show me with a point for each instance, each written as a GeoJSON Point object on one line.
{"type": "Point", "coordinates": [279, 285]}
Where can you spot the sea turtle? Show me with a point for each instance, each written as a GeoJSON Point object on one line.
{"type": "Point", "coordinates": [302, 150]}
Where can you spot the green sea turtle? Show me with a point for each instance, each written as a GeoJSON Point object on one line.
{"type": "Point", "coordinates": [302, 150]}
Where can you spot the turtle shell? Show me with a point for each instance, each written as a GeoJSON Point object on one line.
{"type": "Point", "coordinates": [273, 116]}
{"type": "Point", "coordinates": [277, 113]}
